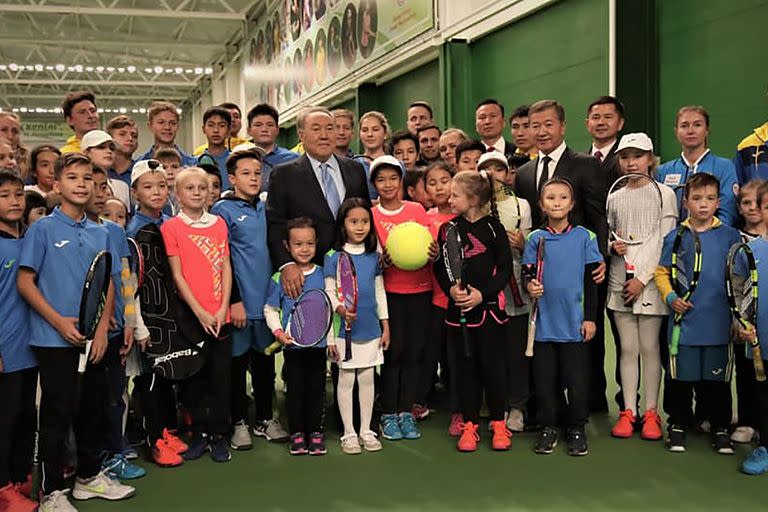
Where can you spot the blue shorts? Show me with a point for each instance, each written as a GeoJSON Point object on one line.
{"type": "Point", "coordinates": [695, 363]}
{"type": "Point", "coordinates": [254, 336]}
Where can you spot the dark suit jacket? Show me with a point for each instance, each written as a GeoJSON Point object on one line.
{"type": "Point", "coordinates": [589, 184]}
{"type": "Point", "coordinates": [509, 149]}
{"type": "Point", "coordinates": [610, 164]}
{"type": "Point", "coordinates": [295, 192]}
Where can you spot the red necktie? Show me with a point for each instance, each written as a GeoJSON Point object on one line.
{"type": "Point", "coordinates": [490, 149]}
{"type": "Point", "coordinates": [599, 156]}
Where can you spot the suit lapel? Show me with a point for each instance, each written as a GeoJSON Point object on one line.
{"type": "Point", "coordinates": [562, 164]}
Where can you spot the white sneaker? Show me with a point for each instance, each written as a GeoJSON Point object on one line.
{"type": "Point", "coordinates": [370, 441]}
{"type": "Point", "coordinates": [101, 486]}
{"type": "Point", "coordinates": [743, 435]}
{"type": "Point", "coordinates": [350, 445]}
{"type": "Point", "coordinates": [271, 430]}
{"type": "Point", "coordinates": [241, 437]}
{"type": "Point", "coordinates": [515, 421]}
{"type": "Point", "coordinates": [57, 501]}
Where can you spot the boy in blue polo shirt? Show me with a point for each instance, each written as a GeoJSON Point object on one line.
{"type": "Point", "coordinates": [705, 356]}
{"type": "Point", "coordinates": [54, 260]}
{"type": "Point", "coordinates": [18, 368]}
{"type": "Point", "coordinates": [246, 220]}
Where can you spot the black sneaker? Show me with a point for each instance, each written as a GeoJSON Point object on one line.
{"type": "Point", "coordinates": [577, 442]}
{"type": "Point", "coordinates": [676, 439]}
{"type": "Point", "coordinates": [721, 442]}
{"type": "Point", "coordinates": [198, 445]}
{"type": "Point", "coordinates": [317, 444]}
{"type": "Point", "coordinates": [546, 442]}
{"type": "Point", "coordinates": [298, 445]}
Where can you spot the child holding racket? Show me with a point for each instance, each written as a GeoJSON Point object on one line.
{"type": "Point", "coordinates": [438, 177]}
{"type": "Point", "coordinates": [637, 210]}
{"type": "Point", "coordinates": [690, 278]}
{"type": "Point", "coordinates": [18, 367]}
{"type": "Point", "coordinates": [367, 320]}
{"type": "Point", "coordinates": [198, 255]}
{"type": "Point", "coordinates": [567, 308]}
{"type": "Point", "coordinates": [304, 366]}
{"type": "Point", "coordinates": [53, 266]}
{"type": "Point", "coordinates": [752, 229]}
{"type": "Point", "coordinates": [408, 300]}
{"type": "Point", "coordinates": [515, 216]}
{"type": "Point", "coordinates": [475, 315]}
{"type": "Point", "coordinates": [757, 462]}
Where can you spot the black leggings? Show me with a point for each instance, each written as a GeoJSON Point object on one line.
{"type": "Point", "coordinates": [746, 388]}
{"type": "Point", "coordinates": [18, 423]}
{"type": "Point", "coordinates": [484, 371]}
{"type": "Point", "coordinates": [305, 378]}
{"type": "Point", "coordinates": [263, 381]}
{"type": "Point", "coordinates": [408, 327]}
{"type": "Point", "coordinates": [70, 399]}
{"type": "Point", "coordinates": [713, 400]}
{"type": "Point", "coordinates": [432, 354]}
{"type": "Point", "coordinates": [518, 365]}
{"type": "Point", "coordinates": [557, 366]}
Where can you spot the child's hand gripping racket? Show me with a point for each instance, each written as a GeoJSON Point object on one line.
{"type": "Point", "coordinates": [346, 288]}
{"type": "Point", "coordinates": [453, 257]}
{"type": "Point", "coordinates": [741, 287]}
{"type": "Point", "coordinates": [93, 302]}
{"type": "Point", "coordinates": [535, 305]}
{"type": "Point", "coordinates": [308, 322]}
{"type": "Point", "coordinates": [684, 281]}
{"type": "Point", "coordinates": [505, 193]}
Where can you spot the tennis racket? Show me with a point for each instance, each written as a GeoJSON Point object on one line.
{"type": "Point", "coordinates": [346, 288]}
{"type": "Point", "coordinates": [309, 320]}
{"type": "Point", "coordinates": [453, 257]}
{"type": "Point", "coordinates": [742, 296]}
{"type": "Point", "coordinates": [506, 193]}
{"type": "Point", "coordinates": [634, 209]}
{"type": "Point", "coordinates": [684, 281]}
{"type": "Point", "coordinates": [92, 302]}
{"type": "Point", "coordinates": [535, 306]}
{"type": "Point", "coordinates": [137, 263]}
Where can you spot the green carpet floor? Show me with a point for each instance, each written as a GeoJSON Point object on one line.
{"type": "Point", "coordinates": [430, 475]}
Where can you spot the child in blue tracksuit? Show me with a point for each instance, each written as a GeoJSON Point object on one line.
{"type": "Point", "coordinates": [705, 355]}
{"type": "Point", "coordinates": [246, 221]}
{"type": "Point", "coordinates": [18, 367]}
{"type": "Point", "coordinates": [751, 160]}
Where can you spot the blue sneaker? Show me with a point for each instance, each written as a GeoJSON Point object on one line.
{"type": "Point", "coordinates": [408, 426]}
{"type": "Point", "coordinates": [756, 463]}
{"type": "Point", "coordinates": [390, 428]}
{"type": "Point", "coordinates": [220, 449]}
{"type": "Point", "coordinates": [198, 445]}
{"type": "Point", "coordinates": [120, 468]}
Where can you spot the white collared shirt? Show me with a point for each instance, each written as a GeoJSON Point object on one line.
{"type": "Point", "coordinates": [604, 151]}
{"type": "Point", "coordinates": [555, 158]}
{"type": "Point", "coordinates": [694, 167]}
{"type": "Point", "coordinates": [205, 221]}
{"type": "Point", "coordinates": [500, 145]}
{"type": "Point", "coordinates": [335, 170]}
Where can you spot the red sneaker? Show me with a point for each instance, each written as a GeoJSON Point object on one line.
{"type": "Point", "coordinates": [165, 456]}
{"type": "Point", "coordinates": [625, 426]}
{"type": "Point", "coordinates": [502, 438]}
{"type": "Point", "coordinates": [454, 429]}
{"type": "Point", "coordinates": [651, 426]}
{"type": "Point", "coordinates": [12, 500]}
{"type": "Point", "coordinates": [420, 412]}
{"type": "Point", "coordinates": [174, 443]}
{"type": "Point", "coordinates": [469, 437]}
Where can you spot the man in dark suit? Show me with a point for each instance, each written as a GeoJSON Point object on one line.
{"type": "Point", "coordinates": [312, 186]}
{"type": "Point", "coordinates": [489, 124]}
{"type": "Point", "coordinates": [547, 119]}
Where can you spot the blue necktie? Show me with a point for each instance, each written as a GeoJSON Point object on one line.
{"type": "Point", "coordinates": [329, 187]}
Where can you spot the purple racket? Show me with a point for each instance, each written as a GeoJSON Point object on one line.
{"type": "Point", "coordinates": [346, 288]}
{"type": "Point", "coordinates": [309, 320]}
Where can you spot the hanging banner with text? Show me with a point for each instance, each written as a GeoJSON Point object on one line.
{"type": "Point", "coordinates": [302, 46]}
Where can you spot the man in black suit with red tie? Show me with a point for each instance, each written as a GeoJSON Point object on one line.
{"type": "Point", "coordinates": [313, 186]}
{"type": "Point", "coordinates": [555, 158]}
{"type": "Point", "coordinates": [489, 124]}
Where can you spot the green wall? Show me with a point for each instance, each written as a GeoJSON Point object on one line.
{"type": "Point", "coordinates": [712, 53]}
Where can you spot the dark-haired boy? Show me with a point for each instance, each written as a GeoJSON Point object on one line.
{"type": "Point", "coordinates": [18, 367]}
{"type": "Point", "coordinates": [53, 263]}
{"type": "Point", "coordinates": [705, 356]}
{"type": "Point", "coordinates": [216, 124]}
{"type": "Point", "coordinates": [263, 127]}
{"type": "Point", "coordinates": [468, 153]}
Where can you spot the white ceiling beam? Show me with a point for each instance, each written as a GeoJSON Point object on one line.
{"type": "Point", "coordinates": [136, 40]}
{"type": "Point", "coordinates": [99, 98]}
{"type": "Point", "coordinates": [97, 11]}
{"type": "Point", "coordinates": [111, 83]}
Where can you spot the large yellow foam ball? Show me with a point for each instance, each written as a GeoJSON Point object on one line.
{"type": "Point", "coordinates": [408, 245]}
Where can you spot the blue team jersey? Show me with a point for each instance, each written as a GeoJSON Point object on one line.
{"type": "Point", "coordinates": [247, 226]}
{"type": "Point", "coordinates": [187, 160]}
{"type": "Point", "coordinates": [709, 321]}
{"type": "Point", "coordinates": [561, 308]}
{"type": "Point", "coordinates": [119, 243]}
{"type": "Point", "coordinates": [14, 310]}
{"type": "Point", "coordinates": [676, 172]}
{"type": "Point", "coordinates": [139, 220]}
{"type": "Point", "coordinates": [221, 163]}
{"type": "Point", "coordinates": [366, 163]}
{"type": "Point", "coordinates": [366, 327]}
{"type": "Point", "coordinates": [759, 248]}
{"type": "Point", "coordinates": [277, 298]}
{"type": "Point", "coordinates": [271, 160]}
{"type": "Point", "coordinates": [60, 250]}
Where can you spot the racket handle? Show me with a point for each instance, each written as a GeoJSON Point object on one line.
{"type": "Point", "coordinates": [531, 339]}
{"type": "Point", "coordinates": [84, 353]}
{"type": "Point", "coordinates": [517, 298]}
{"type": "Point", "coordinates": [274, 347]}
{"type": "Point", "coordinates": [757, 361]}
{"type": "Point", "coordinates": [629, 274]}
{"type": "Point", "coordinates": [347, 344]}
{"type": "Point", "coordinates": [674, 342]}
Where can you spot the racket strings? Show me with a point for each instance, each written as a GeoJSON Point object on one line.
{"type": "Point", "coordinates": [635, 209]}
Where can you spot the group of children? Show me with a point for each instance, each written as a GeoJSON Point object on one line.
{"type": "Point", "coordinates": [407, 322]}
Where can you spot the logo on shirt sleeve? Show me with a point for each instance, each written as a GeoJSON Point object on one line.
{"type": "Point", "coordinates": [242, 218]}
{"type": "Point", "coordinates": [61, 244]}
{"type": "Point", "coordinates": [9, 264]}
